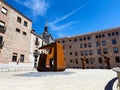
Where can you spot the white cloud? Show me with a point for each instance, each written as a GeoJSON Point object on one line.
{"type": "Point", "coordinates": [53, 25]}
{"type": "Point", "coordinates": [66, 16]}
{"type": "Point", "coordinates": [38, 7]}
{"type": "Point", "coordinates": [61, 35]}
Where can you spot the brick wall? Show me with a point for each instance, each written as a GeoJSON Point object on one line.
{"type": "Point", "coordinates": [72, 46]}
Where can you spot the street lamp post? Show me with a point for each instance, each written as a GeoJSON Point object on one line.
{"type": "Point", "coordinates": [36, 54]}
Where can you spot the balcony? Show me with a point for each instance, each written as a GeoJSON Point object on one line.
{"type": "Point", "coordinates": [1, 45]}
{"type": "Point", "coordinates": [37, 43]}
{"type": "Point", "coordinates": [2, 29]}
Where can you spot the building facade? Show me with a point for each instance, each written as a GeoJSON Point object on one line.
{"type": "Point", "coordinates": [36, 41]}
{"type": "Point", "coordinates": [94, 46]}
{"type": "Point", "coordinates": [14, 35]}
{"type": "Point", "coordinates": [18, 42]}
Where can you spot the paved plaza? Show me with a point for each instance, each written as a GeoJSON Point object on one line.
{"type": "Point", "coordinates": [71, 79]}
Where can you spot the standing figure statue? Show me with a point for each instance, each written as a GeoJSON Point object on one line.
{"type": "Point", "coordinates": [83, 60]}
{"type": "Point", "coordinates": [107, 61]}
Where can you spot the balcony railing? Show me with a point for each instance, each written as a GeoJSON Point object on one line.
{"type": "Point", "coordinates": [2, 29]}
{"type": "Point", "coordinates": [1, 45]}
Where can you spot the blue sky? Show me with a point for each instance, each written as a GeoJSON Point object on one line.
{"type": "Point", "coordinates": [70, 17]}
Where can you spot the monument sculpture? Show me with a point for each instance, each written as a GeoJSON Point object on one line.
{"type": "Point", "coordinates": [83, 61]}
{"type": "Point", "coordinates": [107, 61]}
{"type": "Point", "coordinates": [54, 60]}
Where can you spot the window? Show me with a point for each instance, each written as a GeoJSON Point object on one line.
{"type": "Point", "coordinates": [85, 45]}
{"type": "Point", "coordinates": [99, 36]}
{"type": "Point", "coordinates": [103, 43]}
{"type": "Point", "coordinates": [58, 41]}
{"type": "Point", "coordinates": [82, 53]}
{"type": "Point", "coordinates": [4, 10]}
{"type": "Point", "coordinates": [117, 33]}
{"type": "Point", "coordinates": [70, 53]}
{"type": "Point", "coordinates": [76, 54]}
{"type": "Point", "coordinates": [19, 19]}
{"type": "Point", "coordinates": [63, 41]}
{"type": "Point", "coordinates": [80, 45]}
{"type": "Point", "coordinates": [86, 52]}
{"type": "Point", "coordinates": [1, 40]}
{"type": "Point", "coordinates": [17, 30]}
{"type": "Point", "coordinates": [70, 60]}
{"type": "Point", "coordinates": [88, 37]}
{"type": "Point", "coordinates": [2, 25]}
{"type": "Point", "coordinates": [103, 35]}
{"type": "Point", "coordinates": [80, 39]}
{"type": "Point", "coordinates": [84, 38]}
{"type": "Point", "coordinates": [96, 36]}
{"type": "Point", "coordinates": [92, 60]}
{"type": "Point", "coordinates": [75, 40]}
{"type": "Point", "coordinates": [90, 52]}
{"type": "Point", "coordinates": [114, 41]}
{"type": "Point", "coordinates": [36, 41]}
{"type": "Point", "coordinates": [98, 51]}
{"type": "Point", "coordinates": [70, 46]}
{"type": "Point", "coordinates": [97, 43]}
{"type": "Point", "coordinates": [70, 40]}
{"type": "Point", "coordinates": [87, 61]}
{"type": "Point", "coordinates": [22, 58]}
{"type": "Point", "coordinates": [113, 33]}
{"type": "Point", "coordinates": [89, 45]}
{"type": "Point", "coordinates": [109, 34]}
{"type": "Point", "coordinates": [76, 60]}
{"type": "Point", "coordinates": [24, 33]}
{"type": "Point", "coordinates": [100, 60]}
{"type": "Point", "coordinates": [105, 51]}
{"type": "Point", "coordinates": [117, 58]}
{"type": "Point", "coordinates": [14, 57]}
{"type": "Point", "coordinates": [115, 50]}
{"type": "Point", "coordinates": [25, 23]}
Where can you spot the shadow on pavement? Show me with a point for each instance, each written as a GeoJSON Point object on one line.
{"type": "Point", "coordinates": [44, 74]}
{"type": "Point", "coordinates": [110, 84]}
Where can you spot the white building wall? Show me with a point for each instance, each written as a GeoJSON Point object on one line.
{"type": "Point", "coordinates": [33, 46]}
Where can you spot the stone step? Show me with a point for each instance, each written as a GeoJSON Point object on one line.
{"type": "Point", "coordinates": [16, 67]}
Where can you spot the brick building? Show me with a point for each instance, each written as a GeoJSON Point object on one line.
{"type": "Point", "coordinates": [14, 35]}
{"type": "Point", "coordinates": [17, 39]}
{"type": "Point", "coordinates": [94, 46]}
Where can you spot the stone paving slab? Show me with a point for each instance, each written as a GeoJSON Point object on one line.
{"type": "Point", "coordinates": [71, 79]}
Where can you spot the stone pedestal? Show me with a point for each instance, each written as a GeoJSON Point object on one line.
{"type": "Point", "coordinates": [117, 69]}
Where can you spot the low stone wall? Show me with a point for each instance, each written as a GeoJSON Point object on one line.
{"type": "Point", "coordinates": [16, 67]}
{"type": "Point", "coordinates": [117, 70]}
